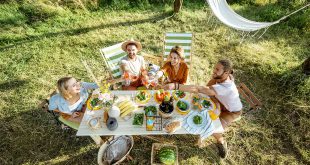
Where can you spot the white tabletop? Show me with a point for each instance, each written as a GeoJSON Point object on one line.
{"type": "Point", "coordinates": [126, 127]}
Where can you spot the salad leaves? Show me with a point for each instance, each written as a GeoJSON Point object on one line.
{"type": "Point", "coordinates": [138, 119]}
{"type": "Point", "coordinates": [151, 109]}
{"type": "Point", "coordinates": [182, 105]}
{"type": "Point", "coordinates": [197, 119]}
{"type": "Point", "coordinates": [206, 103]}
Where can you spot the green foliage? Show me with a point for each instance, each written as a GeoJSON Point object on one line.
{"type": "Point", "coordinates": [300, 21]}
{"type": "Point", "coordinates": [10, 15]}
{"type": "Point", "coordinates": [282, 3]}
{"type": "Point", "coordinates": [39, 11]}
{"type": "Point", "coordinates": [270, 12]}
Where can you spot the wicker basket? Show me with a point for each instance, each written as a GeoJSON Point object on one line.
{"type": "Point", "coordinates": [104, 146]}
{"type": "Point", "coordinates": [156, 147]}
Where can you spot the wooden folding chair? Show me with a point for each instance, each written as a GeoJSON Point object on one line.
{"type": "Point", "coordinates": [59, 120]}
{"type": "Point", "coordinates": [249, 96]}
{"type": "Point", "coordinates": [182, 39]}
{"type": "Point", "coordinates": [66, 125]}
{"type": "Point", "coordinates": [112, 55]}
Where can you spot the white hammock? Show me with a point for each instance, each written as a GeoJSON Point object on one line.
{"type": "Point", "coordinates": [226, 15]}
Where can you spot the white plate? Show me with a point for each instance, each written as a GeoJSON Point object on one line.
{"type": "Point", "coordinates": [191, 123]}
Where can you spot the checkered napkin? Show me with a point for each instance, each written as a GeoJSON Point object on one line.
{"type": "Point", "coordinates": [203, 131]}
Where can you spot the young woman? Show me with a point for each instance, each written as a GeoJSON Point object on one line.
{"type": "Point", "coordinates": [71, 98]}
{"type": "Point", "coordinates": [175, 67]}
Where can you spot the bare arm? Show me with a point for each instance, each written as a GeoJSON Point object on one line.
{"type": "Point", "coordinates": [114, 81]}
{"type": "Point", "coordinates": [206, 90]}
{"type": "Point", "coordinates": [57, 110]}
{"type": "Point", "coordinates": [159, 74]}
{"type": "Point", "coordinates": [123, 67]}
{"type": "Point", "coordinates": [192, 88]}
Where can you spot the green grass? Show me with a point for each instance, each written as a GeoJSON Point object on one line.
{"type": "Point", "coordinates": [35, 53]}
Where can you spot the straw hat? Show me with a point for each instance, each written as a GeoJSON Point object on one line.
{"type": "Point", "coordinates": [138, 45]}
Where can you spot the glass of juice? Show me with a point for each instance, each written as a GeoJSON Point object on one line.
{"type": "Point", "coordinates": [150, 121]}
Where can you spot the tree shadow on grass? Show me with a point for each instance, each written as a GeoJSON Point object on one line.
{"type": "Point", "coordinates": [11, 22]}
{"type": "Point", "coordinates": [278, 92]}
{"type": "Point", "coordinates": [12, 85]}
{"type": "Point", "coordinates": [80, 31]}
{"type": "Point", "coordinates": [33, 137]}
{"type": "Point", "coordinates": [186, 144]}
{"type": "Point", "coordinates": [89, 157]}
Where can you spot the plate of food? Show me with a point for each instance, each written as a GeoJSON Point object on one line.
{"type": "Point", "coordinates": [196, 120]}
{"type": "Point", "coordinates": [196, 99]}
{"type": "Point", "coordinates": [160, 95]}
{"type": "Point", "coordinates": [143, 97]}
{"type": "Point", "coordinates": [150, 110]}
{"type": "Point", "coordinates": [94, 103]}
{"type": "Point", "coordinates": [166, 107]}
{"type": "Point", "coordinates": [126, 107]}
{"type": "Point", "coordinates": [178, 94]}
{"type": "Point", "coordinates": [207, 104]}
{"type": "Point", "coordinates": [183, 107]}
{"type": "Point", "coordinates": [138, 119]}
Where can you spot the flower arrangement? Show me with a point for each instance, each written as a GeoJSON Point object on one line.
{"type": "Point", "coordinates": [101, 98]}
{"type": "Point", "coordinates": [104, 87]}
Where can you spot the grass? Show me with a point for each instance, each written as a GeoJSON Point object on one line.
{"type": "Point", "coordinates": [35, 53]}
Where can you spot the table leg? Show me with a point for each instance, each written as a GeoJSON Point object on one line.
{"type": "Point", "coordinates": [97, 139]}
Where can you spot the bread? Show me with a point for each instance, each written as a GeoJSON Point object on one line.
{"type": "Point", "coordinates": [172, 126]}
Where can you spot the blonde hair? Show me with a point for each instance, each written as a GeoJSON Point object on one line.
{"type": "Point", "coordinates": [62, 87]}
{"type": "Point", "coordinates": [178, 50]}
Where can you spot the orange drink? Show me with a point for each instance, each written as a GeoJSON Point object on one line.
{"type": "Point", "coordinates": [213, 116]}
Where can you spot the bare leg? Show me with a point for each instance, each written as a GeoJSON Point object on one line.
{"type": "Point", "coordinates": [226, 119]}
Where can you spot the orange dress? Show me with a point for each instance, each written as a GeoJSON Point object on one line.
{"type": "Point", "coordinates": [180, 77]}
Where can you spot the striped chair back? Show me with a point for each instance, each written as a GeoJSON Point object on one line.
{"type": "Point", "coordinates": [182, 39]}
{"type": "Point", "coordinates": [112, 56]}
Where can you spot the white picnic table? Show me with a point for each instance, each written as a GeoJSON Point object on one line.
{"type": "Point", "coordinates": [125, 127]}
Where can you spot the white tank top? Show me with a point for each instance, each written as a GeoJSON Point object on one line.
{"type": "Point", "coordinates": [73, 107]}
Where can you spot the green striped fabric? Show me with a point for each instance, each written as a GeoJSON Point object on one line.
{"type": "Point", "coordinates": [112, 56]}
{"type": "Point", "coordinates": [182, 39]}
{"type": "Point", "coordinates": [69, 123]}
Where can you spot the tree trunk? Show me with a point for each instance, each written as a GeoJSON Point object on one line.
{"type": "Point", "coordinates": [177, 5]}
{"type": "Point", "coordinates": [306, 66]}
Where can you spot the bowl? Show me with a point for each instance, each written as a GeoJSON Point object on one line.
{"type": "Point", "coordinates": [160, 98]}
{"type": "Point", "coordinates": [211, 106]}
{"type": "Point", "coordinates": [165, 114]}
{"type": "Point", "coordinates": [146, 94]}
{"type": "Point", "coordinates": [180, 110]}
{"type": "Point", "coordinates": [176, 96]}
{"type": "Point", "coordinates": [90, 107]}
